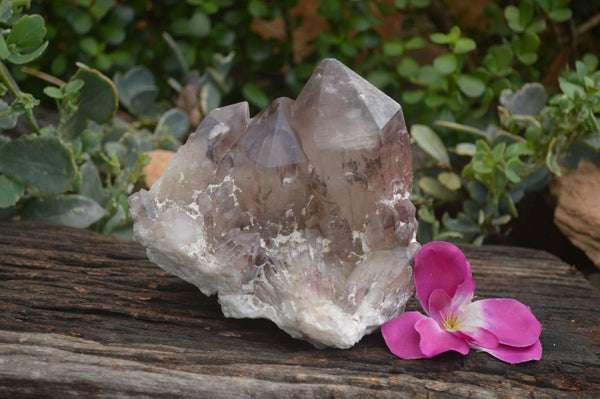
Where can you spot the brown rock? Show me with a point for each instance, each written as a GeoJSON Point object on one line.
{"type": "Point", "coordinates": [159, 159]}
{"type": "Point", "coordinates": [577, 212]}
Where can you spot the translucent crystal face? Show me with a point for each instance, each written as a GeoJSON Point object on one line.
{"type": "Point", "coordinates": [300, 215]}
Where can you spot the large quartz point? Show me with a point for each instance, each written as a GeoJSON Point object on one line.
{"type": "Point", "coordinates": [300, 215]}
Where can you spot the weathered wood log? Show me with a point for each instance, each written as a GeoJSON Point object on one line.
{"type": "Point", "coordinates": [83, 315]}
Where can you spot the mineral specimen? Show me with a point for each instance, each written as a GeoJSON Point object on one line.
{"type": "Point", "coordinates": [300, 215]}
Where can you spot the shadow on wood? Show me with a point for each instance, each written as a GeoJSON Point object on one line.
{"type": "Point", "coordinates": [83, 315]}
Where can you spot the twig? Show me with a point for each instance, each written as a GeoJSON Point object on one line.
{"type": "Point", "coordinates": [588, 25]}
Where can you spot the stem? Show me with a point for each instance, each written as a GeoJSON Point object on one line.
{"type": "Point", "coordinates": [14, 90]}
{"type": "Point", "coordinates": [43, 76]}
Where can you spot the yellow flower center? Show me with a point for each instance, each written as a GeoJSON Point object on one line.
{"type": "Point", "coordinates": [450, 320]}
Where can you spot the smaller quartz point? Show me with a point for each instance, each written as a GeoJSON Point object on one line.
{"type": "Point", "coordinates": [300, 215]}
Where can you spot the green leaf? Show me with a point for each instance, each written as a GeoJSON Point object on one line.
{"type": "Point", "coordinates": [560, 15]}
{"type": "Point", "coordinates": [470, 85]}
{"type": "Point", "coordinates": [439, 38]}
{"type": "Point", "coordinates": [82, 23]}
{"type": "Point", "coordinates": [413, 96]}
{"type": "Point", "coordinates": [69, 210]}
{"type": "Point", "coordinates": [393, 47]}
{"type": "Point", "coordinates": [174, 122]}
{"type": "Point", "coordinates": [255, 95]}
{"type": "Point", "coordinates": [199, 25]}
{"type": "Point", "coordinates": [358, 23]}
{"type": "Point", "coordinates": [430, 142]}
{"type": "Point", "coordinates": [28, 32]}
{"type": "Point", "coordinates": [572, 90]}
{"type": "Point", "coordinates": [465, 149]}
{"type": "Point", "coordinates": [89, 45]}
{"type": "Point", "coordinates": [91, 185]}
{"type": "Point", "coordinates": [427, 74]}
{"type": "Point", "coordinates": [462, 223]}
{"type": "Point", "coordinates": [4, 51]}
{"type": "Point", "coordinates": [53, 92]}
{"type": "Point", "coordinates": [98, 99]}
{"type": "Point", "coordinates": [464, 45]}
{"type": "Point", "coordinates": [24, 58]}
{"type": "Point", "coordinates": [381, 79]}
{"type": "Point", "coordinates": [445, 63]}
{"type": "Point", "coordinates": [101, 7]}
{"type": "Point", "coordinates": [407, 67]}
{"type": "Point", "coordinates": [258, 9]}
{"type": "Point", "coordinates": [10, 191]}
{"type": "Point", "coordinates": [10, 120]}
{"type": "Point", "coordinates": [434, 188]}
{"type": "Point", "coordinates": [512, 169]}
{"type": "Point", "coordinates": [415, 42]}
{"type": "Point", "coordinates": [450, 180]}
{"type": "Point", "coordinates": [44, 163]}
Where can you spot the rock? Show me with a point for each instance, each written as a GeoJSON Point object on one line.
{"type": "Point", "coordinates": [159, 159]}
{"type": "Point", "coordinates": [301, 215]}
{"type": "Point", "coordinates": [577, 212]}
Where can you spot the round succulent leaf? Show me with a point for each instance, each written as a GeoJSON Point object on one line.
{"type": "Point", "coordinates": [413, 96]}
{"type": "Point", "coordinates": [439, 38]}
{"type": "Point", "coordinates": [72, 210]}
{"type": "Point", "coordinates": [407, 67]}
{"type": "Point", "coordinates": [430, 142]}
{"type": "Point", "coordinates": [431, 186]}
{"type": "Point", "coordinates": [101, 7]}
{"type": "Point", "coordinates": [381, 79]}
{"type": "Point", "coordinates": [427, 75]}
{"type": "Point", "coordinates": [393, 47]}
{"type": "Point", "coordinates": [450, 180]}
{"type": "Point", "coordinates": [446, 63]}
{"type": "Point", "coordinates": [199, 25]}
{"type": "Point", "coordinates": [137, 79]}
{"type": "Point", "coordinates": [98, 99]}
{"type": "Point", "coordinates": [462, 223]}
{"type": "Point", "coordinates": [44, 164]}
{"type": "Point", "coordinates": [24, 58]}
{"type": "Point", "coordinates": [471, 86]}
{"type": "Point", "coordinates": [415, 42]}
{"type": "Point", "coordinates": [358, 23]}
{"type": "Point", "coordinates": [10, 191]}
{"type": "Point", "coordinates": [91, 185]}
{"type": "Point", "coordinates": [501, 220]}
{"type": "Point", "coordinates": [28, 32]}
{"type": "Point", "coordinates": [464, 45]}
{"type": "Point", "coordinates": [560, 15]}
{"type": "Point", "coordinates": [82, 23]}
{"type": "Point", "coordinates": [174, 122]}
{"type": "Point", "coordinates": [465, 149]}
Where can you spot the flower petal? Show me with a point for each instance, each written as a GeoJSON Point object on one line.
{"type": "Point", "coordinates": [511, 354]}
{"type": "Point", "coordinates": [401, 337]}
{"type": "Point", "coordinates": [510, 320]}
{"type": "Point", "coordinates": [464, 293]}
{"type": "Point", "coordinates": [439, 304]}
{"type": "Point", "coordinates": [439, 265]}
{"type": "Point", "coordinates": [434, 340]}
{"type": "Point", "coordinates": [480, 338]}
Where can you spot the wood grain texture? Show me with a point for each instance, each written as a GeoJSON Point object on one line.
{"type": "Point", "coordinates": [87, 316]}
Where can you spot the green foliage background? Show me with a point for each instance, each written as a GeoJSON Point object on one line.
{"type": "Point", "coordinates": [462, 86]}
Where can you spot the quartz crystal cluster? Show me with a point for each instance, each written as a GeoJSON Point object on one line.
{"type": "Point", "coordinates": [300, 215]}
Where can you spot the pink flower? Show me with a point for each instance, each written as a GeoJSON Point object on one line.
{"type": "Point", "coordinates": [505, 328]}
